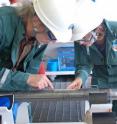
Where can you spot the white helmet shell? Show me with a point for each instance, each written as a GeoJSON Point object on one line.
{"type": "Point", "coordinates": [87, 18]}
{"type": "Point", "coordinates": [104, 5]}
{"type": "Point", "coordinates": [59, 15]}
{"type": "Point", "coordinates": [4, 3]}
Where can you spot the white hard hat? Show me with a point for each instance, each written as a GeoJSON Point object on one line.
{"type": "Point", "coordinates": [60, 15]}
{"type": "Point", "coordinates": [4, 3]}
{"type": "Point", "coordinates": [104, 6]}
{"type": "Point", "coordinates": [87, 17]}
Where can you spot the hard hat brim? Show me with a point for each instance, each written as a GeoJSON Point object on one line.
{"type": "Point", "coordinates": [87, 19]}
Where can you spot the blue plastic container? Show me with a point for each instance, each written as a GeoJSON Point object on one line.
{"type": "Point", "coordinates": [52, 65]}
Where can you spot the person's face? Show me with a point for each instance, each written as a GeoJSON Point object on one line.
{"type": "Point", "coordinates": [40, 30]}
{"type": "Point", "coordinates": [97, 35]}
{"type": "Point", "coordinates": [100, 34]}
{"type": "Point", "coordinates": [37, 24]}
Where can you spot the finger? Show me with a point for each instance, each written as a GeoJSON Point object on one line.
{"type": "Point", "coordinates": [41, 84]}
{"type": "Point", "coordinates": [77, 86]}
{"type": "Point", "coordinates": [49, 83]}
{"type": "Point", "coordinates": [71, 86]}
{"type": "Point", "coordinates": [45, 83]}
{"type": "Point", "coordinates": [74, 86]}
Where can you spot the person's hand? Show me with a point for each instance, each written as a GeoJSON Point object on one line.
{"type": "Point", "coordinates": [39, 81]}
{"type": "Point", "coordinates": [76, 84]}
{"type": "Point", "coordinates": [88, 40]}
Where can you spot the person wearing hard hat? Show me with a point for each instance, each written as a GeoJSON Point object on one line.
{"type": "Point", "coordinates": [68, 27]}
{"type": "Point", "coordinates": [23, 39]}
{"type": "Point", "coordinates": [95, 47]}
{"type": "Point", "coordinates": [95, 37]}
{"type": "Point", "coordinates": [97, 52]}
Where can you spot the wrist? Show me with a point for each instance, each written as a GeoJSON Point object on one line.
{"type": "Point", "coordinates": [30, 78]}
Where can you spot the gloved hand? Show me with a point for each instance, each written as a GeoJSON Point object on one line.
{"type": "Point", "coordinates": [76, 84]}
{"type": "Point", "coordinates": [39, 81]}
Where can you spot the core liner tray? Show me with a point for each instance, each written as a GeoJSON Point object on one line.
{"type": "Point", "coordinates": [55, 109]}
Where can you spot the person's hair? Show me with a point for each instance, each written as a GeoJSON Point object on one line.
{"type": "Point", "coordinates": [25, 9]}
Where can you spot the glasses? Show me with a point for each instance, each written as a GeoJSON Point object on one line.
{"type": "Point", "coordinates": [99, 34]}
{"type": "Point", "coordinates": [50, 35]}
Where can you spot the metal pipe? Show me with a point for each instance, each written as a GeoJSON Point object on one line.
{"type": "Point", "coordinates": [62, 93]}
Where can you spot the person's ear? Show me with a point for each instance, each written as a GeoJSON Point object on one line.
{"type": "Point", "coordinates": [35, 20]}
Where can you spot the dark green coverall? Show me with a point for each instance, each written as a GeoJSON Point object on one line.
{"type": "Point", "coordinates": [12, 32]}
{"type": "Point", "coordinates": [104, 68]}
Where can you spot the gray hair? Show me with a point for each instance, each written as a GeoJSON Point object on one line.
{"type": "Point", "coordinates": [25, 9]}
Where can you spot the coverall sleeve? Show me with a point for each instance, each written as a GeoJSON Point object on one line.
{"type": "Point", "coordinates": [0, 31]}
{"type": "Point", "coordinates": [9, 80]}
{"type": "Point", "coordinates": [18, 80]}
{"type": "Point", "coordinates": [82, 62]}
{"type": "Point", "coordinates": [14, 80]}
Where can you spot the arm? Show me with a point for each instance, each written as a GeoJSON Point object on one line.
{"type": "Point", "coordinates": [17, 80]}
{"type": "Point", "coordinates": [8, 25]}
{"type": "Point", "coordinates": [83, 67]}
{"type": "Point", "coordinates": [40, 80]}
{"type": "Point", "coordinates": [14, 80]}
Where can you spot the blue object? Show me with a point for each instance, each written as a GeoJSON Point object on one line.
{"type": "Point", "coordinates": [66, 58]}
{"type": "Point", "coordinates": [52, 65]}
{"type": "Point", "coordinates": [6, 101]}
{"type": "Point", "coordinates": [14, 110]}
